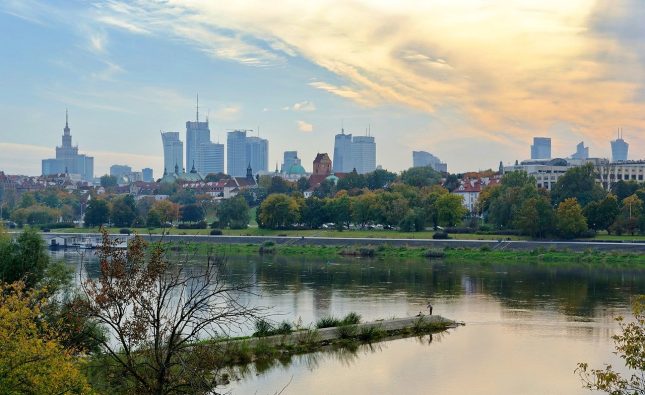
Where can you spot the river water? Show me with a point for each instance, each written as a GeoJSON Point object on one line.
{"type": "Point", "coordinates": [527, 325]}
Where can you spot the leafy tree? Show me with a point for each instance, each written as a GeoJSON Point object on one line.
{"type": "Point", "coordinates": [326, 188]}
{"type": "Point", "coordinates": [279, 185]}
{"type": "Point", "coordinates": [451, 183]}
{"type": "Point", "coordinates": [24, 260]}
{"type": "Point", "coordinates": [501, 204]}
{"type": "Point", "coordinates": [183, 196]}
{"type": "Point", "coordinates": [421, 176]}
{"type": "Point", "coordinates": [623, 189]}
{"type": "Point", "coordinates": [97, 213]}
{"type": "Point", "coordinates": [35, 215]}
{"type": "Point", "coordinates": [413, 221]}
{"type": "Point", "coordinates": [379, 179]}
{"type": "Point", "coordinates": [191, 213]}
{"type": "Point", "coordinates": [450, 209]}
{"type": "Point", "coordinates": [167, 210]}
{"type": "Point", "coordinates": [392, 207]}
{"type": "Point", "coordinates": [314, 213]}
{"type": "Point", "coordinates": [124, 211]}
{"type": "Point", "coordinates": [108, 181]}
{"type": "Point", "coordinates": [302, 184]}
{"type": "Point", "coordinates": [214, 177]}
{"type": "Point", "coordinates": [339, 210]}
{"type": "Point", "coordinates": [536, 217]}
{"type": "Point", "coordinates": [32, 361]}
{"type": "Point", "coordinates": [364, 209]}
{"type": "Point", "coordinates": [570, 222]}
{"type": "Point", "coordinates": [27, 200]}
{"type": "Point", "coordinates": [234, 213]}
{"type": "Point", "coordinates": [428, 203]}
{"type": "Point", "coordinates": [630, 346]}
{"type": "Point", "coordinates": [153, 219]}
{"type": "Point", "coordinates": [579, 183]}
{"type": "Point", "coordinates": [629, 218]}
{"type": "Point", "coordinates": [156, 347]}
{"type": "Point", "coordinates": [279, 211]}
{"type": "Point", "coordinates": [352, 180]}
{"type": "Point", "coordinates": [601, 214]}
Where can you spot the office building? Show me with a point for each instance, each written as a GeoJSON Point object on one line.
{"type": "Point", "coordinates": [290, 159]}
{"type": "Point", "coordinates": [236, 153]}
{"type": "Point", "coordinates": [68, 160]}
{"type": "Point", "coordinates": [582, 152]}
{"type": "Point", "coordinates": [423, 159]}
{"type": "Point", "coordinates": [619, 148]}
{"type": "Point", "coordinates": [363, 150]}
{"type": "Point", "coordinates": [120, 170]}
{"type": "Point", "coordinates": [343, 153]}
{"type": "Point", "coordinates": [173, 152]}
{"type": "Point", "coordinates": [541, 148]}
{"type": "Point", "coordinates": [210, 158]}
{"type": "Point", "coordinates": [147, 175]}
{"type": "Point", "coordinates": [197, 134]}
{"type": "Point", "coordinates": [257, 154]}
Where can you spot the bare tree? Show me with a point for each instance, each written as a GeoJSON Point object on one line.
{"type": "Point", "coordinates": [162, 316]}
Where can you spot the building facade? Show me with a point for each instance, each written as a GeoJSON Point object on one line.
{"type": "Point", "coordinates": [423, 159]}
{"type": "Point", "coordinates": [147, 175]}
{"type": "Point", "coordinates": [197, 135]}
{"type": "Point", "coordinates": [363, 154]}
{"type": "Point", "coordinates": [343, 153]}
{"type": "Point", "coordinates": [210, 158]}
{"type": "Point", "coordinates": [68, 160]}
{"type": "Point", "coordinates": [541, 148]}
{"type": "Point", "coordinates": [257, 154]}
{"type": "Point", "coordinates": [290, 159]}
{"type": "Point", "coordinates": [120, 170]}
{"type": "Point", "coordinates": [582, 152]}
{"type": "Point", "coordinates": [619, 149]}
{"type": "Point", "coordinates": [173, 152]}
{"type": "Point", "coordinates": [236, 153]}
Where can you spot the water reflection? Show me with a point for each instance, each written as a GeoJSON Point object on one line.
{"type": "Point", "coordinates": [527, 324]}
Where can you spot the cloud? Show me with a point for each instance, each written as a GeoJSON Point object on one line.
{"type": "Point", "coordinates": [228, 113]}
{"type": "Point", "coordinates": [305, 127]}
{"type": "Point", "coordinates": [97, 42]}
{"type": "Point", "coordinates": [304, 106]}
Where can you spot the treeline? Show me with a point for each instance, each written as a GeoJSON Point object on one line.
{"type": "Point", "coordinates": [576, 206]}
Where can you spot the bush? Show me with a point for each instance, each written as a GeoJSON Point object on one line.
{"type": "Point", "coordinates": [125, 231]}
{"type": "Point", "coordinates": [440, 236]}
{"type": "Point", "coordinates": [371, 333]}
{"type": "Point", "coordinates": [262, 328]}
{"type": "Point", "coordinates": [216, 232]}
{"type": "Point", "coordinates": [434, 253]}
{"type": "Point", "coordinates": [327, 322]}
{"type": "Point", "coordinates": [456, 229]}
{"type": "Point", "coordinates": [351, 319]}
{"type": "Point", "coordinates": [485, 228]}
{"type": "Point", "coordinates": [588, 234]}
{"type": "Point", "coordinates": [347, 331]}
{"type": "Point", "coordinates": [198, 225]}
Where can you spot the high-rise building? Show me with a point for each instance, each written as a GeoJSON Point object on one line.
{"type": "Point", "coordinates": [236, 162]}
{"type": "Point", "coordinates": [582, 152]}
{"type": "Point", "coordinates": [257, 154]}
{"type": "Point", "coordinates": [343, 153]}
{"type": "Point", "coordinates": [197, 134]}
{"type": "Point", "coordinates": [68, 160]}
{"type": "Point", "coordinates": [290, 159]}
{"type": "Point", "coordinates": [541, 148]}
{"type": "Point", "coordinates": [423, 159]}
{"type": "Point", "coordinates": [210, 158]}
{"type": "Point", "coordinates": [619, 148]}
{"type": "Point", "coordinates": [120, 170]}
{"type": "Point", "coordinates": [363, 150]}
{"type": "Point", "coordinates": [147, 175]}
{"type": "Point", "coordinates": [173, 153]}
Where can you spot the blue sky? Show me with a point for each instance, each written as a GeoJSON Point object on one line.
{"type": "Point", "coordinates": [470, 81]}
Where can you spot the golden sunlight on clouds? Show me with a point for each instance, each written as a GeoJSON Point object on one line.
{"type": "Point", "coordinates": [513, 68]}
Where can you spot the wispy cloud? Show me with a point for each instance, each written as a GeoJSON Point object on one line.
{"type": "Point", "coordinates": [228, 113]}
{"type": "Point", "coordinates": [305, 127]}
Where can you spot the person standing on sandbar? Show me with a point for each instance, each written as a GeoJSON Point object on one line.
{"type": "Point", "coordinates": [429, 309]}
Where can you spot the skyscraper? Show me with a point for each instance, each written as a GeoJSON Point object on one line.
{"type": "Point", "coordinates": [120, 170]}
{"type": "Point", "coordinates": [619, 148]}
{"type": "Point", "coordinates": [343, 153]}
{"type": "Point", "coordinates": [210, 158]}
{"type": "Point", "coordinates": [290, 159]}
{"type": "Point", "coordinates": [173, 152]}
{"type": "Point", "coordinates": [363, 149]}
{"type": "Point", "coordinates": [541, 148]}
{"type": "Point", "coordinates": [423, 158]}
{"type": "Point", "coordinates": [147, 175]}
{"type": "Point", "coordinates": [582, 152]}
{"type": "Point", "coordinates": [68, 159]}
{"type": "Point", "coordinates": [257, 153]}
{"type": "Point", "coordinates": [197, 134]}
{"type": "Point", "coordinates": [236, 153]}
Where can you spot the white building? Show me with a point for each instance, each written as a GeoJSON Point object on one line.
{"type": "Point", "coordinates": [173, 152]}
{"type": "Point", "coordinates": [343, 153]}
{"type": "Point", "coordinates": [363, 154]}
{"type": "Point", "coordinates": [236, 153]}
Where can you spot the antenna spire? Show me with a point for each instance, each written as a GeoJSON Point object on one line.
{"type": "Point", "coordinates": [66, 119]}
{"type": "Point", "coordinates": [197, 107]}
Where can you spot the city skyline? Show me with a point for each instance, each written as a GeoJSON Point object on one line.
{"type": "Point", "coordinates": [427, 87]}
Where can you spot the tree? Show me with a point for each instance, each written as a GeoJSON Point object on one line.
{"type": "Point", "coordinates": [429, 197]}
{"type": "Point", "coordinates": [124, 211]}
{"type": "Point", "coordinates": [97, 213]}
{"type": "Point", "coordinates": [167, 210]}
{"type": "Point", "coordinates": [352, 180]}
{"type": "Point", "coordinates": [302, 184]}
{"type": "Point", "coordinates": [421, 176]}
{"type": "Point", "coordinates": [35, 215]}
{"type": "Point", "coordinates": [153, 219]}
{"type": "Point", "coordinates": [339, 210]}
{"type": "Point", "coordinates": [279, 211]}
{"type": "Point", "coordinates": [536, 217]}
{"type": "Point", "coordinates": [364, 209]}
{"type": "Point", "coordinates": [451, 183]}
{"type": "Point", "coordinates": [191, 213]}
{"type": "Point", "coordinates": [234, 213]}
{"type": "Point", "coordinates": [214, 177]}
{"type": "Point", "coordinates": [24, 260]}
{"type": "Point", "coordinates": [379, 179]}
{"type": "Point", "coordinates": [623, 189]}
{"type": "Point", "coordinates": [579, 183]}
{"type": "Point", "coordinates": [413, 221]}
{"type": "Point", "coordinates": [570, 222]}
{"type": "Point", "coordinates": [501, 204]}
{"type": "Point", "coordinates": [314, 213]}
{"type": "Point", "coordinates": [450, 209]}
{"type": "Point", "coordinates": [279, 185]}
{"type": "Point", "coordinates": [155, 347]}
{"type": "Point", "coordinates": [32, 361]}
{"type": "Point", "coordinates": [108, 181]}
{"type": "Point", "coordinates": [630, 346]}
{"type": "Point", "coordinates": [391, 208]}
{"type": "Point", "coordinates": [630, 212]}
{"type": "Point", "coordinates": [601, 214]}
{"type": "Point", "coordinates": [183, 196]}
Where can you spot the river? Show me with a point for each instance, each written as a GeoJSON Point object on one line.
{"type": "Point", "coordinates": [527, 325]}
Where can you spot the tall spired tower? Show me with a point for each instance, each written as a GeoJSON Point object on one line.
{"type": "Point", "coordinates": [68, 160]}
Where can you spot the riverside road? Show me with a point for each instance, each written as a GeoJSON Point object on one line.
{"type": "Point", "coordinates": [520, 245]}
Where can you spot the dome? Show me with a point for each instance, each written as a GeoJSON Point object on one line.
{"type": "Point", "coordinates": [296, 169]}
{"type": "Point", "coordinates": [332, 178]}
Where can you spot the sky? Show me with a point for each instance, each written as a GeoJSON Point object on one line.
{"type": "Point", "coordinates": [471, 81]}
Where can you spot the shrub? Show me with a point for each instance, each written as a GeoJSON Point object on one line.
{"type": "Point", "coordinates": [216, 232]}
{"type": "Point", "coordinates": [284, 328]}
{"type": "Point", "coordinates": [456, 229]}
{"type": "Point", "coordinates": [434, 253]}
{"type": "Point", "coordinates": [351, 319]}
{"type": "Point", "coordinates": [124, 231]}
{"type": "Point", "coordinates": [347, 331]}
{"type": "Point", "coordinates": [440, 236]}
{"type": "Point", "coordinates": [484, 248]}
{"type": "Point", "coordinates": [485, 228]}
{"type": "Point", "coordinates": [327, 322]}
{"type": "Point", "coordinates": [370, 333]}
{"type": "Point", "coordinates": [198, 225]}
{"type": "Point", "coordinates": [262, 328]}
